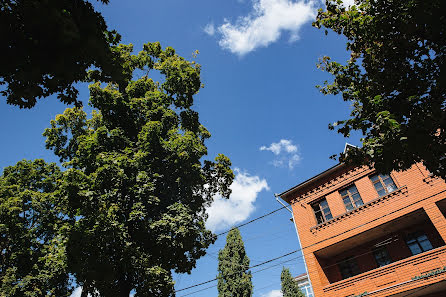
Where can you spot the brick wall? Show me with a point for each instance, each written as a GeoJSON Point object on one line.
{"type": "Point", "coordinates": [417, 192]}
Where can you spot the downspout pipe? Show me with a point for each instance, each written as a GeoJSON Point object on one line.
{"type": "Point", "coordinates": [298, 238]}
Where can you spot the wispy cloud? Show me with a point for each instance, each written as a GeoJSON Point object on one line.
{"type": "Point", "coordinates": [224, 213]}
{"type": "Point", "coordinates": [273, 293]}
{"type": "Point", "coordinates": [287, 153]}
{"type": "Point", "coordinates": [265, 24]}
{"type": "Point", "coordinates": [209, 29]}
{"type": "Point", "coordinates": [283, 145]}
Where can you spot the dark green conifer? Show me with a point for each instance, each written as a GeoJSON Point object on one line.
{"type": "Point", "coordinates": [234, 279]}
{"type": "Point", "coordinates": [289, 285]}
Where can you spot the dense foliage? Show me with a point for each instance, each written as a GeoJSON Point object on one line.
{"type": "Point", "coordinates": [289, 285]}
{"type": "Point", "coordinates": [234, 279]}
{"type": "Point", "coordinates": [132, 198]}
{"type": "Point", "coordinates": [395, 79]}
{"type": "Point", "coordinates": [32, 245]}
{"type": "Point", "coordinates": [48, 45]}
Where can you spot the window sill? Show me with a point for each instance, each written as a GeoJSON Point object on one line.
{"type": "Point", "coordinates": [401, 190]}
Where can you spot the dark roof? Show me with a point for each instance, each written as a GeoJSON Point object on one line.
{"type": "Point", "coordinates": [313, 179]}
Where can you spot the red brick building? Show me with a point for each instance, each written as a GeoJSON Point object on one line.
{"type": "Point", "coordinates": [368, 234]}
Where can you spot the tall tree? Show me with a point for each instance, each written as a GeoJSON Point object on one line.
{"type": "Point", "coordinates": [48, 45]}
{"type": "Point", "coordinates": [234, 279]}
{"type": "Point", "coordinates": [135, 186]}
{"type": "Point", "coordinates": [33, 258]}
{"type": "Point", "coordinates": [289, 285]}
{"type": "Point", "coordinates": [395, 79]}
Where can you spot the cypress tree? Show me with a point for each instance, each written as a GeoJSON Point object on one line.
{"type": "Point", "coordinates": [234, 279]}
{"type": "Point", "coordinates": [289, 285]}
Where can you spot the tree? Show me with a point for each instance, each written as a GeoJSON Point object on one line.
{"type": "Point", "coordinates": [234, 279]}
{"type": "Point", "coordinates": [33, 258]}
{"type": "Point", "coordinates": [135, 186]}
{"type": "Point", "coordinates": [395, 80]}
{"type": "Point", "coordinates": [289, 285]}
{"type": "Point", "coordinates": [49, 45]}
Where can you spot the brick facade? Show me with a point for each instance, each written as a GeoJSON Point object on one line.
{"type": "Point", "coordinates": [412, 213]}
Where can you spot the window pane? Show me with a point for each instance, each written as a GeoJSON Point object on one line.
{"type": "Point", "coordinates": [348, 204]}
{"type": "Point", "coordinates": [349, 207]}
{"type": "Point", "coordinates": [383, 176]}
{"type": "Point", "coordinates": [418, 242]}
{"type": "Point", "coordinates": [353, 189]}
{"type": "Point", "coordinates": [415, 248]}
{"type": "Point", "coordinates": [359, 202]}
{"type": "Point", "coordinates": [352, 198]}
{"type": "Point", "coordinates": [390, 185]}
{"type": "Point", "coordinates": [382, 257]}
{"type": "Point", "coordinates": [382, 192]}
{"type": "Point", "coordinates": [388, 180]}
{"type": "Point", "coordinates": [374, 177]}
{"type": "Point", "coordinates": [349, 267]}
{"type": "Point", "coordinates": [357, 197]}
{"type": "Point", "coordinates": [324, 203]}
{"type": "Point", "coordinates": [378, 186]}
{"type": "Point", "coordinates": [425, 244]}
{"type": "Point", "coordinates": [322, 211]}
{"type": "Point", "coordinates": [319, 217]}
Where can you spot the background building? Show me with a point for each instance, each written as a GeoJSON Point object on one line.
{"type": "Point", "coordinates": [365, 233]}
{"type": "Point", "coordinates": [304, 284]}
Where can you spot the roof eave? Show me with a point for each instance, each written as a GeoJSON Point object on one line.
{"type": "Point", "coordinates": [313, 179]}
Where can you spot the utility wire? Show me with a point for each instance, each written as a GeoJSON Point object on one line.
{"type": "Point", "coordinates": [300, 249]}
{"type": "Point", "coordinates": [272, 212]}
{"type": "Point", "coordinates": [260, 270]}
{"type": "Point", "coordinates": [253, 266]}
{"type": "Point", "coordinates": [252, 221]}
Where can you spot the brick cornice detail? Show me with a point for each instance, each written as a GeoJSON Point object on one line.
{"type": "Point", "coordinates": [334, 184]}
{"type": "Point", "coordinates": [364, 207]}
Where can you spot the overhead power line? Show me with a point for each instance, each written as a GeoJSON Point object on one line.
{"type": "Point", "coordinates": [253, 266]}
{"type": "Point", "coordinates": [300, 249]}
{"type": "Point", "coordinates": [252, 221]}
{"type": "Point", "coordinates": [254, 272]}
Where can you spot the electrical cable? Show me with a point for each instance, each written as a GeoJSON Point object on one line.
{"type": "Point", "coordinates": [254, 272]}
{"type": "Point", "coordinates": [300, 249]}
{"type": "Point", "coordinates": [252, 221]}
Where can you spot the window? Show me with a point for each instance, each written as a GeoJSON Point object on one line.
{"type": "Point", "coordinates": [383, 184]}
{"type": "Point", "coordinates": [418, 242]}
{"type": "Point", "coordinates": [322, 211]}
{"type": "Point", "coordinates": [349, 267]}
{"type": "Point", "coordinates": [351, 197]}
{"type": "Point", "coordinates": [306, 289]}
{"type": "Point", "coordinates": [382, 257]}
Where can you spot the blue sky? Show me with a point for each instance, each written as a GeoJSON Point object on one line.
{"type": "Point", "coordinates": [260, 103]}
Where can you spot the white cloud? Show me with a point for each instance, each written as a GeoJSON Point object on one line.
{"type": "Point", "coordinates": [293, 161]}
{"type": "Point", "coordinates": [348, 3]}
{"type": "Point", "coordinates": [77, 292]}
{"type": "Point", "coordinates": [266, 24]}
{"type": "Point", "coordinates": [273, 293]}
{"type": "Point", "coordinates": [287, 153]}
{"type": "Point", "coordinates": [283, 145]}
{"type": "Point", "coordinates": [224, 213]}
{"type": "Point", "coordinates": [209, 29]}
